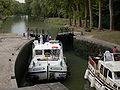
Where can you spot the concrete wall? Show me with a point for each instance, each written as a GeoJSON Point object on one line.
{"type": "Point", "coordinates": [22, 62]}
{"type": "Point", "coordinates": [67, 40]}
{"type": "Point", "coordinates": [85, 48]}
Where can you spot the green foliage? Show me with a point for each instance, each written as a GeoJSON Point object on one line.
{"type": "Point", "coordinates": [18, 8]}
{"type": "Point", "coordinates": [5, 7]}
{"type": "Point", "coordinates": [73, 9]}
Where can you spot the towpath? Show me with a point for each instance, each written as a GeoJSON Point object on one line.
{"type": "Point", "coordinates": [90, 38]}
{"type": "Point", "coordinates": [49, 86]}
{"type": "Point", "coordinates": [10, 45]}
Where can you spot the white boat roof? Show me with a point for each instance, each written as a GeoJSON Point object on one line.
{"type": "Point", "coordinates": [111, 65]}
{"type": "Point", "coordinates": [48, 45]}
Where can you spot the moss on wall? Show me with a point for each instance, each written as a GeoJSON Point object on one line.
{"type": "Point", "coordinates": [85, 48]}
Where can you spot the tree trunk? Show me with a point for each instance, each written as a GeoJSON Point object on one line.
{"type": "Point", "coordinates": [86, 13]}
{"type": "Point", "coordinates": [79, 18]}
{"type": "Point", "coordinates": [111, 15]}
{"type": "Point", "coordinates": [70, 21]}
{"type": "Point", "coordinates": [100, 16]}
{"type": "Point", "coordinates": [90, 12]}
{"type": "Point", "coordinates": [75, 22]}
{"type": "Point", "coordinates": [79, 22]}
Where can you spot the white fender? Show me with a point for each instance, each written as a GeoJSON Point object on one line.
{"type": "Point", "coordinates": [92, 82]}
{"type": "Point", "coordinates": [102, 88]}
{"type": "Point", "coordinates": [86, 74]}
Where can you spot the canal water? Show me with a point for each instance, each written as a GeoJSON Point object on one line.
{"type": "Point", "coordinates": [77, 65]}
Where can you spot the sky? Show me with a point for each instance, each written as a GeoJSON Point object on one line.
{"type": "Point", "coordinates": [21, 1]}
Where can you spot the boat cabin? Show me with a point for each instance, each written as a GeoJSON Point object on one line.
{"type": "Point", "coordinates": [51, 50]}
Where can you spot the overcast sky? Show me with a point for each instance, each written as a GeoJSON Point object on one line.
{"type": "Point", "coordinates": [22, 1]}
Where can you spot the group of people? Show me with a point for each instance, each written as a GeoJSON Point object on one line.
{"type": "Point", "coordinates": [109, 56]}
{"type": "Point", "coordinates": [30, 33]}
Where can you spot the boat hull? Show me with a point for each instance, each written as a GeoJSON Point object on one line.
{"type": "Point", "coordinates": [50, 75]}
{"type": "Point", "coordinates": [96, 82]}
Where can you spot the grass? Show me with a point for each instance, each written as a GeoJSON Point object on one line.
{"type": "Point", "coordinates": [58, 21]}
{"type": "Point", "coordinates": [106, 35]}
{"type": "Point", "coordinates": [1, 22]}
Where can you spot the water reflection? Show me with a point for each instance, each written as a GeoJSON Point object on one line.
{"type": "Point", "coordinates": [19, 27]}
{"type": "Point", "coordinates": [14, 25]}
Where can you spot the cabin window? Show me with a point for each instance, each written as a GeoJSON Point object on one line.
{"type": "Point", "coordinates": [38, 52]}
{"type": "Point", "coordinates": [105, 72]}
{"type": "Point", "coordinates": [55, 52]}
{"type": "Point", "coordinates": [110, 74]}
{"type": "Point", "coordinates": [117, 57]}
{"type": "Point", "coordinates": [47, 53]}
{"type": "Point", "coordinates": [101, 69]}
{"type": "Point", "coordinates": [117, 75]}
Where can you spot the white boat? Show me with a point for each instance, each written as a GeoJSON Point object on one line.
{"type": "Point", "coordinates": [104, 72]}
{"type": "Point", "coordinates": [48, 61]}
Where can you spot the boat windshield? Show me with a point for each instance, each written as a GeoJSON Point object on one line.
{"type": "Point", "coordinates": [117, 75]}
{"type": "Point", "coordinates": [54, 53]}
{"type": "Point", "coordinates": [38, 52]}
{"type": "Point", "coordinates": [47, 53]}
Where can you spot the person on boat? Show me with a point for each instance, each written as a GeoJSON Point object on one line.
{"type": "Point", "coordinates": [44, 38]}
{"type": "Point", "coordinates": [108, 56]}
{"type": "Point", "coordinates": [47, 38]}
{"type": "Point", "coordinates": [115, 50]}
{"type": "Point", "coordinates": [28, 33]}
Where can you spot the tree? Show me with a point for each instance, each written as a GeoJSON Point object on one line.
{"type": "Point", "coordinates": [111, 15]}
{"type": "Point", "coordinates": [80, 11]}
{"type": "Point", "coordinates": [18, 8]}
{"type": "Point", "coordinates": [90, 13]}
{"type": "Point", "coordinates": [28, 8]}
{"type": "Point", "coordinates": [5, 7]}
{"type": "Point", "coordinates": [86, 12]}
{"type": "Point", "coordinates": [100, 16]}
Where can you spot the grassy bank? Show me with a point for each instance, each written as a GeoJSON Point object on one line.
{"type": "Point", "coordinates": [1, 23]}
{"type": "Point", "coordinates": [106, 35]}
{"type": "Point", "coordinates": [58, 21]}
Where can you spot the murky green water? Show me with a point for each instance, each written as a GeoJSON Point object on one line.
{"type": "Point", "coordinates": [77, 65]}
{"type": "Point", "coordinates": [77, 68]}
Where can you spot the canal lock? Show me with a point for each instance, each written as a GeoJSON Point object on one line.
{"type": "Point", "coordinates": [25, 55]}
{"type": "Point", "coordinates": [80, 48]}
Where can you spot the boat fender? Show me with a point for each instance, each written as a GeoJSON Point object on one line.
{"type": "Point", "coordinates": [92, 82]}
{"type": "Point", "coordinates": [86, 74]}
{"type": "Point", "coordinates": [102, 88]}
